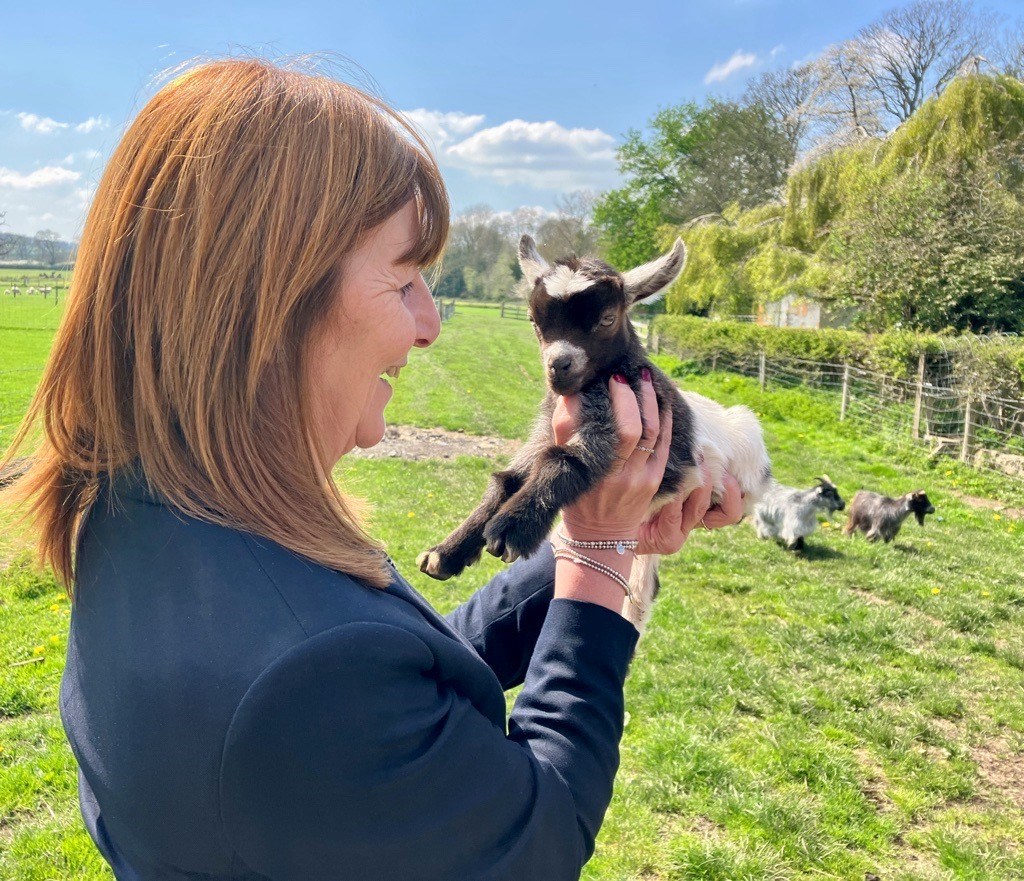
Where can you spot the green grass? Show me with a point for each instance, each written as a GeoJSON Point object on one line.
{"type": "Point", "coordinates": [858, 708]}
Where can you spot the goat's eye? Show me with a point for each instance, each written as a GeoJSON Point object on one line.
{"type": "Point", "coordinates": [608, 320]}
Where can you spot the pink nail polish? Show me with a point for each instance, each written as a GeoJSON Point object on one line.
{"type": "Point", "coordinates": [646, 374]}
{"type": "Point", "coordinates": [618, 377]}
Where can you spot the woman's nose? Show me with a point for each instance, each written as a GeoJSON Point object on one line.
{"type": "Point", "coordinates": [428, 321]}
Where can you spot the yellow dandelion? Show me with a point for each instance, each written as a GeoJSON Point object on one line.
{"type": "Point", "coordinates": [997, 516]}
{"type": "Point", "coordinates": [54, 608]}
{"type": "Point", "coordinates": [826, 525]}
{"type": "Point", "coordinates": [54, 639]}
{"type": "Point", "coordinates": [412, 513]}
{"type": "Point", "coordinates": [949, 471]}
{"type": "Point", "coordinates": [38, 650]}
{"type": "Point", "coordinates": [986, 593]}
{"type": "Point", "coordinates": [935, 590]}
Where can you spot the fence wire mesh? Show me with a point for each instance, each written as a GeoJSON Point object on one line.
{"type": "Point", "coordinates": [945, 409]}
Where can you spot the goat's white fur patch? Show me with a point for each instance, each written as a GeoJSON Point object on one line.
{"type": "Point", "coordinates": [637, 278]}
{"type": "Point", "coordinates": [562, 281]}
{"type": "Point", "coordinates": [559, 349]}
{"type": "Point", "coordinates": [728, 439]}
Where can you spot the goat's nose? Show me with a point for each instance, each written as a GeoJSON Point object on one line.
{"type": "Point", "coordinates": [560, 365]}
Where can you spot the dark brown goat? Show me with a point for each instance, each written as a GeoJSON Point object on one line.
{"type": "Point", "coordinates": [880, 517]}
{"type": "Point", "coordinates": [580, 311]}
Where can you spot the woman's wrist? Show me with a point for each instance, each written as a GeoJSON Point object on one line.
{"type": "Point", "coordinates": [584, 531]}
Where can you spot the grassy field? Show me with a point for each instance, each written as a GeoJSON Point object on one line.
{"type": "Point", "coordinates": [857, 710]}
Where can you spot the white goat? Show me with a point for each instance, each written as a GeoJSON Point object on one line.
{"type": "Point", "coordinates": [792, 514]}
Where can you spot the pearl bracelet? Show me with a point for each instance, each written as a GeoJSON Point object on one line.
{"type": "Point", "coordinates": [619, 545]}
{"type": "Point", "coordinates": [574, 557]}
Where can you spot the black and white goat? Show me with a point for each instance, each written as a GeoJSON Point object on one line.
{"type": "Point", "coordinates": [580, 312]}
{"type": "Point", "coordinates": [880, 517]}
{"type": "Point", "coordinates": [792, 514]}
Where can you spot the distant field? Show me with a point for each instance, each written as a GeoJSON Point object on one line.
{"type": "Point", "coordinates": [856, 709]}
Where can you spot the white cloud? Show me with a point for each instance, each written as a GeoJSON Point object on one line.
{"type": "Point", "coordinates": [722, 70]}
{"type": "Point", "coordinates": [41, 125]}
{"type": "Point", "coordinates": [443, 128]}
{"type": "Point", "coordinates": [92, 124]}
{"type": "Point", "coordinates": [47, 176]}
{"type": "Point", "coordinates": [777, 50]}
{"type": "Point", "coordinates": [539, 154]}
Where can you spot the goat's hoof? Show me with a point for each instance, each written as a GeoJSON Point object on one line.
{"type": "Point", "coordinates": [497, 547]}
{"type": "Point", "coordinates": [430, 563]}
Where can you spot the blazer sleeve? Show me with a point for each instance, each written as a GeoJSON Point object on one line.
{"type": "Point", "coordinates": [349, 758]}
{"type": "Point", "coordinates": [504, 618]}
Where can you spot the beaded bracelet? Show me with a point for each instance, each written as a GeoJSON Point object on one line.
{"type": "Point", "coordinates": [573, 557]}
{"type": "Point", "coordinates": [619, 545]}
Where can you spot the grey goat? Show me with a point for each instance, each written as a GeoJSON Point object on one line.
{"type": "Point", "coordinates": [792, 514]}
{"type": "Point", "coordinates": [880, 517]}
{"type": "Point", "coordinates": [580, 312]}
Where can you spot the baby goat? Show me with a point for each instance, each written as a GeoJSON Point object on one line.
{"type": "Point", "coordinates": [580, 312]}
{"type": "Point", "coordinates": [880, 517]}
{"type": "Point", "coordinates": [792, 514]}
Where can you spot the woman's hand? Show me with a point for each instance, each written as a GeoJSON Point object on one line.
{"type": "Point", "coordinates": [616, 507]}
{"type": "Point", "coordinates": [666, 532]}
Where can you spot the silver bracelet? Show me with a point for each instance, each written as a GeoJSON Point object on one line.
{"type": "Point", "coordinates": [619, 545]}
{"type": "Point", "coordinates": [574, 557]}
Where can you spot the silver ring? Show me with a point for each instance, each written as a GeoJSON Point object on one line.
{"type": "Point", "coordinates": [645, 449]}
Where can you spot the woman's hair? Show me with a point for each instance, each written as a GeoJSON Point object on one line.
{"type": "Point", "coordinates": [210, 257]}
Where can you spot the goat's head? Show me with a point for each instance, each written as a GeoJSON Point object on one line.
{"type": "Point", "coordinates": [920, 505]}
{"type": "Point", "coordinates": [828, 495]}
{"type": "Point", "coordinates": [579, 308]}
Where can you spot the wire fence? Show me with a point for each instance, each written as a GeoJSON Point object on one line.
{"type": "Point", "coordinates": [941, 409]}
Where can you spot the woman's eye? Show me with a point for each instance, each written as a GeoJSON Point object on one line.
{"type": "Point", "coordinates": [405, 290]}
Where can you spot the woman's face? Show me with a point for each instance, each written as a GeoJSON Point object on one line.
{"type": "Point", "coordinates": [383, 309]}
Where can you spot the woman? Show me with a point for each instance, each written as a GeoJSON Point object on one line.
{"type": "Point", "coordinates": [252, 690]}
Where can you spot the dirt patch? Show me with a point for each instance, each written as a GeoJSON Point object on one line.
{"type": "Point", "coordinates": [1002, 770]}
{"type": "Point", "coordinates": [416, 444]}
{"type": "Point", "coordinates": [990, 505]}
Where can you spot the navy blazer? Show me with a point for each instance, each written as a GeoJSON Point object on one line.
{"type": "Point", "coordinates": [239, 712]}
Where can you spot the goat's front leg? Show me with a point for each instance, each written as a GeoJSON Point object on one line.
{"type": "Point", "coordinates": [559, 476]}
{"type": "Point", "coordinates": [462, 548]}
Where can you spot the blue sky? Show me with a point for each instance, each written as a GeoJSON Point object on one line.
{"type": "Point", "coordinates": [524, 101]}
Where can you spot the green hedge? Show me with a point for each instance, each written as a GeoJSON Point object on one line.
{"type": "Point", "coordinates": [990, 366]}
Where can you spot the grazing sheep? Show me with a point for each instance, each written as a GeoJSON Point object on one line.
{"type": "Point", "coordinates": [580, 312]}
{"type": "Point", "coordinates": [880, 517]}
{"type": "Point", "coordinates": [792, 514]}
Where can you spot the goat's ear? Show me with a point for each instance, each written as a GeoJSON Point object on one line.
{"type": "Point", "coordinates": [825, 479]}
{"type": "Point", "coordinates": [648, 282]}
{"type": "Point", "coordinates": [530, 261]}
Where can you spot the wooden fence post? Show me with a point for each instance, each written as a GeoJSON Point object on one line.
{"type": "Point", "coordinates": [714, 361]}
{"type": "Point", "coordinates": [844, 401]}
{"type": "Point", "coordinates": [965, 451]}
{"type": "Point", "coordinates": [919, 398]}
{"type": "Point", "coordinates": [502, 308]}
{"type": "Point", "coordinates": [761, 370]}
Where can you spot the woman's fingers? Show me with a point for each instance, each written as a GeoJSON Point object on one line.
{"type": "Point", "coordinates": [663, 445]}
{"type": "Point", "coordinates": [566, 418]}
{"type": "Point", "coordinates": [627, 419]}
{"type": "Point", "coordinates": [648, 413]}
{"type": "Point", "coordinates": [730, 509]}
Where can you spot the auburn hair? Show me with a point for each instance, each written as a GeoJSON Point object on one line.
{"type": "Point", "coordinates": [211, 255]}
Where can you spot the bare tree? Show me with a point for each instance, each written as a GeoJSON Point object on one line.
{"type": "Point", "coordinates": [7, 241]}
{"type": "Point", "coordinates": [1008, 53]}
{"type": "Point", "coordinates": [571, 230]}
{"type": "Point", "coordinates": [789, 95]}
{"type": "Point", "coordinates": [913, 52]}
{"type": "Point", "coordinates": [48, 244]}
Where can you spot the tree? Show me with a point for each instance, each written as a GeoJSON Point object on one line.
{"type": "Point", "coordinates": [7, 242]}
{"type": "Point", "coordinates": [571, 230]}
{"type": "Point", "coordinates": [49, 246]}
{"type": "Point", "coordinates": [1008, 54]}
{"type": "Point", "coordinates": [698, 160]}
{"type": "Point", "coordinates": [914, 52]}
{"type": "Point", "coordinates": [788, 94]}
